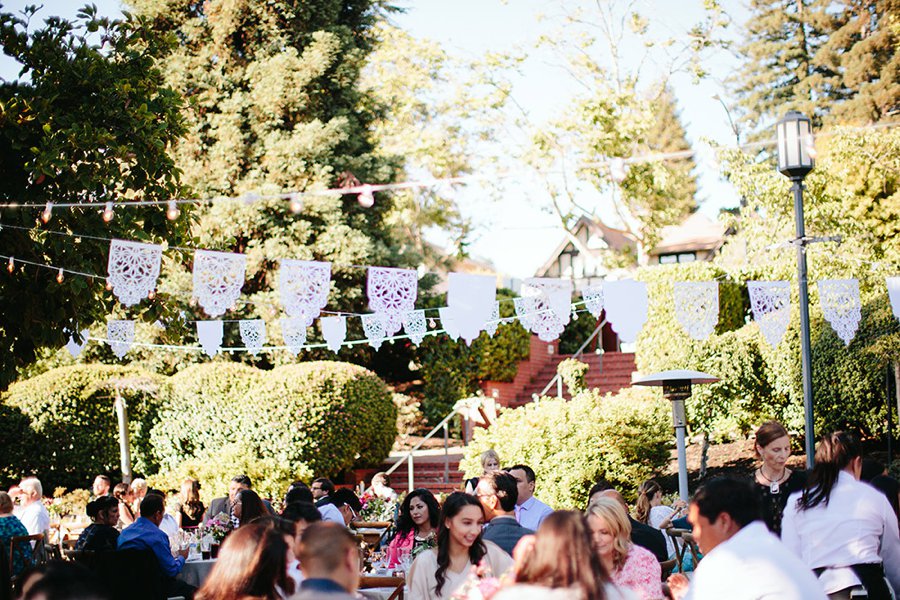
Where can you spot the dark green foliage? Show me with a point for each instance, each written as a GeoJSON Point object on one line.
{"type": "Point", "coordinates": [18, 442]}
{"type": "Point", "coordinates": [571, 444]}
{"type": "Point", "coordinates": [73, 427]}
{"type": "Point", "coordinates": [87, 122]}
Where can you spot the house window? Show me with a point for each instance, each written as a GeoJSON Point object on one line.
{"type": "Point", "coordinates": [683, 257]}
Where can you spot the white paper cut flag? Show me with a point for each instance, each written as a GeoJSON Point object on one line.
{"type": "Point", "coordinates": [392, 294]}
{"type": "Point", "coordinates": [524, 311]}
{"type": "Point", "coordinates": [303, 287]}
{"type": "Point", "coordinates": [470, 299]}
{"type": "Point", "coordinates": [334, 330]}
{"type": "Point", "coordinates": [133, 269]}
{"type": "Point", "coordinates": [448, 324]}
{"type": "Point", "coordinates": [415, 326]}
{"type": "Point", "coordinates": [74, 347]}
{"type": "Point", "coordinates": [494, 321]}
{"type": "Point", "coordinates": [893, 286]}
{"type": "Point", "coordinates": [293, 331]}
{"type": "Point", "coordinates": [550, 302]}
{"type": "Point", "coordinates": [210, 334]}
{"type": "Point", "coordinates": [841, 306]}
{"type": "Point", "coordinates": [253, 335]}
{"type": "Point", "coordinates": [696, 307]}
{"type": "Point", "coordinates": [626, 306]}
{"type": "Point", "coordinates": [374, 328]}
{"type": "Point", "coordinates": [120, 335]}
{"type": "Point", "coordinates": [218, 279]}
{"type": "Point", "coordinates": [593, 299]}
{"type": "Point", "coordinates": [771, 305]}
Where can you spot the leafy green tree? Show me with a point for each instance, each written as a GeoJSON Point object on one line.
{"type": "Point", "coordinates": [89, 119]}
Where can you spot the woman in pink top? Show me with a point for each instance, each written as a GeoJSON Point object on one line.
{"type": "Point", "coordinates": [630, 566]}
{"type": "Point", "coordinates": [416, 525]}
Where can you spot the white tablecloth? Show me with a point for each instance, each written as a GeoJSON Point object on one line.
{"type": "Point", "coordinates": [382, 593]}
{"type": "Point", "coordinates": [195, 572]}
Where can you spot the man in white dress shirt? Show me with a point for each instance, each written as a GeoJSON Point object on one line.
{"type": "Point", "coordinates": [847, 531]}
{"type": "Point", "coordinates": [742, 559]}
{"type": "Point", "coordinates": [530, 511]}
{"type": "Point", "coordinates": [31, 511]}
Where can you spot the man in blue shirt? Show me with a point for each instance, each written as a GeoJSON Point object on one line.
{"type": "Point", "coordinates": [145, 534]}
{"type": "Point", "coordinates": [530, 511]}
{"type": "Point", "coordinates": [330, 560]}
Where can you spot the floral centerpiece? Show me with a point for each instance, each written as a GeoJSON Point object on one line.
{"type": "Point", "coordinates": [65, 504]}
{"type": "Point", "coordinates": [376, 509]}
{"type": "Point", "coordinates": [218, 528]}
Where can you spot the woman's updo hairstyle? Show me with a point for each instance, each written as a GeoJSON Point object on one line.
{"type": "Point", "coordinates": [767, 433]}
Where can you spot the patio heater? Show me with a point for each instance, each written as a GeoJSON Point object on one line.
{"type": "Point", "coordinates": [676, 387]}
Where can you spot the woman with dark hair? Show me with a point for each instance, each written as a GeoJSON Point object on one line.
{"type": "Point", "coordinates": [189, 512]}
{"type": "Point", "coordinates": [439, 572]}
{"type": "Point", "coordinates": [842, 529]}
{"type": "Point", "coordinates": [101, 535]}
{"type": "Point", "coordinates": [773, 480]}
{"type": "Point", "coordinates": [252, 564]}
{"type": "Point", "coordinates": [247, 507]}
{"type": "Point", "coordinates": [416, 526]}
{"type": "Point", "coordinates": [561, 561]}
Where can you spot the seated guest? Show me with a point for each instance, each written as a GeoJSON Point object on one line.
{"type": "Point", "coordinates": [559, 561]}
{"type": "Point", "coordinates": [348, 504]}
{"type": "Point", "coordinates": [871, 469]}
{"type": "Point", "coordinates": [301, 515]}
{"type": "Point", "coordinates": [247, 507]}
{"type": "Point", "coordinates": [381, 487]}
{"type": "Point", "coordinates": [742, 560]}
{"type": "Point", "coordinates": [490, 462]}
{"type": "Point", "coordinates": [650, 510]}
{"type": "Point", "coordinates": [145, 534]}
{"type": "Point", "coordinates": [31, 511]}
{"type": "Point", "coordinates": [101, 535]}
{"type": "Point", "coordinates": [330, 560]}
{"type": "Point", "coordinates": [441, 571]}
{"type": "Point", "coordinates": [529, 510]}
{"type": "Point", "coordinates": [629, 565]}
{"type": "Point", "coordinates": [298, 491]}
{"type": "Point", "coordinates": [61, 580]}
{"type": "Point", "coordinates": [416, 526]}
{"type": "Point", "coordinates": [251, 564]}
{"type": "Point", "coordinates": [321, 489]}
{"type": "Point", "coordinates": [101, 486]}
{"type": "Point", "coordinates": [224, 504]}
{"type": "Point", "coordinates": [841, 528]}
{"type": "Point", "coordinates": [10, 527]}
{"type": "Point", "coordinates": [168, 524]}
{"type": "Point", "coordinates": [643, 535]}
{"type": "Point", "coordinates": [138, 491]}
{"type": "Point", "coordinates": [189, 511]}
{"type": "Point", "coordinates": [122, 493]}
{"type": "Point", "coordinates": [497, 493]}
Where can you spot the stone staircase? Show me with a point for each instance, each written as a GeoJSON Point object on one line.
{"type": "Point", "coordinates": [609, 372]}
{"type": "Point", "coordinates": [428, 471]}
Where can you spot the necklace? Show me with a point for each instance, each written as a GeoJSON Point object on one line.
{"type": "Point", "coordinates": [774, 486]}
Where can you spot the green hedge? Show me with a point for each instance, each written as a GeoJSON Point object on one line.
{"type": "Point", "coordinates": [623, 438]}
{"type": "Point", "coordinates": [322, 416]}
{"type": "Point", "coordinates": [73, 427]}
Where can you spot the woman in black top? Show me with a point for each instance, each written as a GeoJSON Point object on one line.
{"type": "Point", "coordinates": [190, 509]}
{"type": "Point", "coordinates": [774, 480]}
{"type": "Point", "coordinates": [101, 535]}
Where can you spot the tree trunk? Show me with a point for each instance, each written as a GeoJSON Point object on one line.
{"type": "Point", "coordinates": [704, 454]}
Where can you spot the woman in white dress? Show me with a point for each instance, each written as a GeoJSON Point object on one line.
{"type": "Point", "coordinates": [439, 572]}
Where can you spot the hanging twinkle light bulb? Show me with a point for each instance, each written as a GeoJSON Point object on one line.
{"type": "Point", "coordinates": [12, 265]}
{"type": "Point", "coordinates": [296, 204]}
{"type": "Point", "coordinates": [431, 323]}
{"type": "Point", "coordinates": [151, 294]}
{"type": "Point", "coordinates": [574, 314]}
{"type": "Point", "coordinates": [108, 213]}
{"type": "Point", "coordinates": [366, 197]}
{"type": "Point", "coordinates": [60, 277]}
{"type": "Point", "coordinates": [618, 170]}
{"type": "Point", "coordinates": [109, 285]}
{"type": "Point", "coordinates": [172, 212]}
{"type": "Point", "coordinates": [48, 212]}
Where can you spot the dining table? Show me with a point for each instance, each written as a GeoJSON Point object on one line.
{"type": "Point", "coordinates": [196, 570]}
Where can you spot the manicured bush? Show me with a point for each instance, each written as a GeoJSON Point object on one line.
{"type": "Point", "coordinates": [72, 415]}
{"type": "Point", "coordinates": [623, 438]}
{"type": "Point", "coordinates": [19, 444]}
{"type": "Point", "coordinates": [573, 373]}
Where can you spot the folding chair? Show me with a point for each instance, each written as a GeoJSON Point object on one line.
{"type": "Point", "coordinates": [397, 583]}
{"type": "Point", "coordinates": [688, 538]}
{"type": "Point", "coordinates": [678, 542]}
{"type": "Point", "coordinates": [667, 566]}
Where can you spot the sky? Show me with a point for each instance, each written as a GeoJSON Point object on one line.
{"type": "Point", "coordinates": [517, 233]}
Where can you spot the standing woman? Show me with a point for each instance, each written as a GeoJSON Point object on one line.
{"type": "Point", "coordinates": [774, 480]}
{"type": "Point", "coordinates": [438, 573]}
{"type": "Point", "coordinates": [190, 509]}
{"type": "Point", "coordinates": [843, 529]}
{"type": "Point", "coordinates": [419, 517]}
{"type": "Point", "coordinates": [490, 462]}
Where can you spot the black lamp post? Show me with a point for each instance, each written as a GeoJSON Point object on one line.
{"type": "Point", "coordinates": [794, 161]}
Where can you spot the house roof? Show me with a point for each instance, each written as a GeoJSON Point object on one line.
{"type": "Point", "coordinates": [613, 239]}
{"type": "Point", "coordinates": [697, 232]}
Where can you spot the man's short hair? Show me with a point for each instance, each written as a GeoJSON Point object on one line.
{"type": "Point", "coordinates": [152, 504]}
{"type": "Point", "coordinates": [243, 480]}
{"type": "Point", "coordinates": [504, 486]}
{"type": "Point", "coordinates": [601, 486]}
{"type": "Point", "coordinates": [298, 494]}
{"type": "Point", "coordinates": [529, 472]}
{"type": "Point", "coordinates": [326, 484]}
{"type": "Point", "coordinates": [301, 511]}
{"type": "Point", "coordinates": [104, 478]}
{"type": "Point", "coordinates": [727, 495]}
{"type": "Point", "coordinates": [324, 545]}
{"type": "Point", "coordinates": [344, 496]}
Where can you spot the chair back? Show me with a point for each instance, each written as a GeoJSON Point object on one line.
{"type": "Point", "coordinates": [678, 542]}
{"type": "Point", "coordinates": [398, 583]}
{"type": "Point", "coordinates": [23, 543]}
{"type": "Point", "coordinates": [667, 566]}
{"type": "Point", "coordinates": [130, 574]}
{"type": "Point", "coordinates": [691, 544]}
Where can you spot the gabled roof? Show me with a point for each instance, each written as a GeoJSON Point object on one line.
{"type": "Point", "coordinates": [614, 239]}
{"type": "Point", "coordinates": [697, 232]}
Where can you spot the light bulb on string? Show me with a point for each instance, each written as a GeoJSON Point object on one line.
{"type": "Point", "coordinates": [109, 285]}
{"type": "Point", "coordinates": [618, 170]}
{"type": "Point", "coordinates": [60, 277]}
{"type": "Point", "coordinates": [296, 204]}
{"type": "Point", "coordinates": [172, 212]}
{"type": "Point", "coordinates": [431, 323]}
{"type": "Point", "coordinates": [574, 315]}
{"type": "Point", "coordinates": [48, 212]}
{"type": "Point", "coordinates": [12, 265]}
{"type": "Point", "coordinates": [151, 294]}
{"type": "Point", "coordinates": [108, 213]}
{"type": "Point", "coordinates": [366, 197]}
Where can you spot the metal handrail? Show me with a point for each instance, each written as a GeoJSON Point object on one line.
{"type": "Point", "coordinates": [409, 455]}
{"type": "Point", "coordinates": [556, 378]}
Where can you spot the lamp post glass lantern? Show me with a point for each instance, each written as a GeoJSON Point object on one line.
{"type": "Point", "coordinates": [794, 134]}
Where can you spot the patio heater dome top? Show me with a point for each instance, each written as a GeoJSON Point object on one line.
{"type": "Point", "coordinates": [675, 376]}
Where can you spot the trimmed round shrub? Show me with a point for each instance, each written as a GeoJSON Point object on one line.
{"type": "Point", "coordinates": [73, 419]}
{"type": "Point", "coordinates": [623, 438]}
{"type": "Point", "coordinates": [18, 441]}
